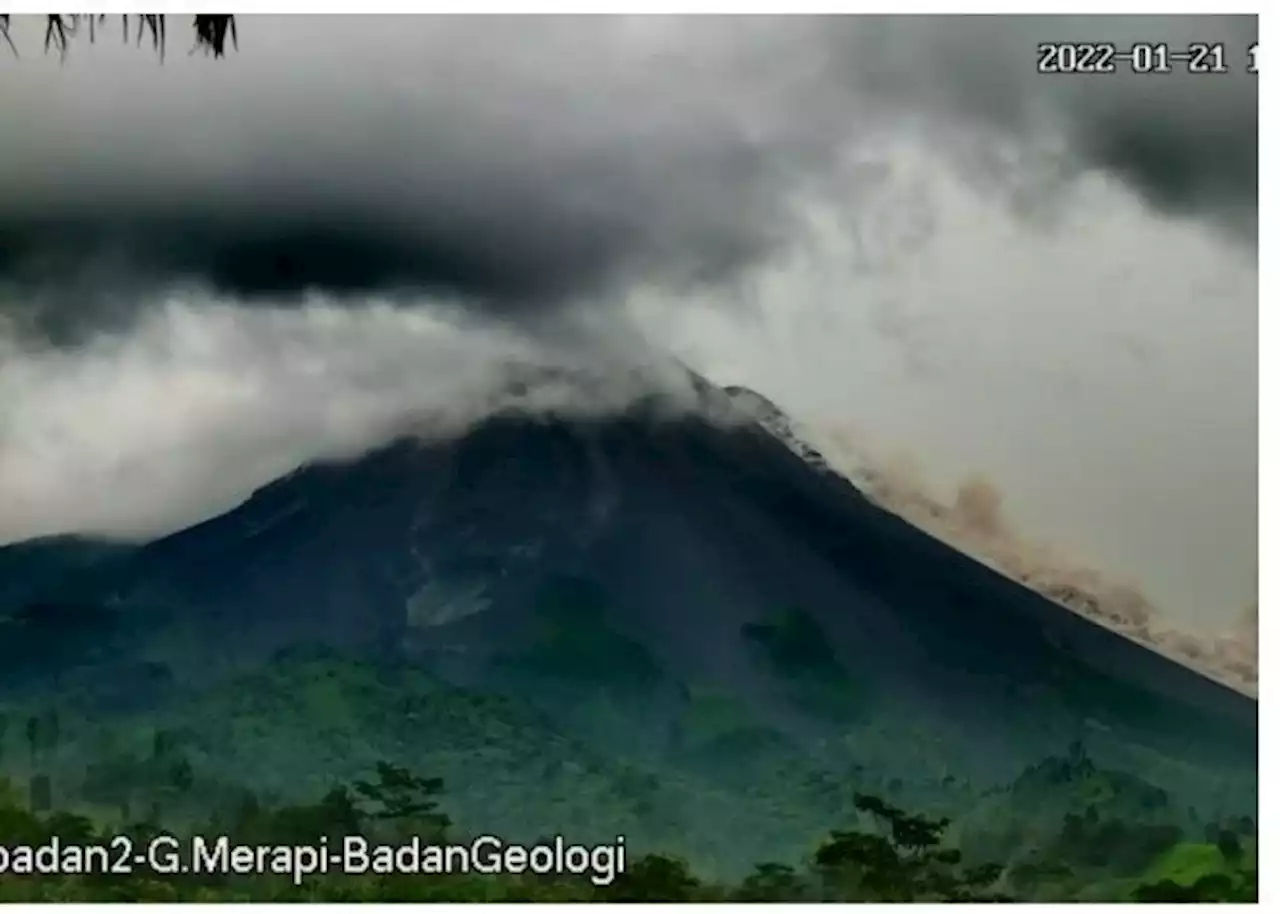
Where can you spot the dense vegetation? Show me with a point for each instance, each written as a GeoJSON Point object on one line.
{"type": "Point", "coordinates": [894, 856]}
{"type": "Point", "coordinates": [116, 723]}
{"type": "Point", "coordinates": [879, 853]}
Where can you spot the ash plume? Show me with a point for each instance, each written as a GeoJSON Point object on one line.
{"type": "Point", "coordinates": [973, 521]}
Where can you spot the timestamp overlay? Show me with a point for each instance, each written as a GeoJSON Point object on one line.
{"type": "Point", "coordinates": [166, 855]}
{"type": "Point", "coordinates": [1100, 58]}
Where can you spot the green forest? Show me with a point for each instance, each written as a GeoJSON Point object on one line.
{"type": "Point", "coordinates": [886, 855]}
{"type": "Point", "coordinates": [715, 801]}
{"type": "Point", "coordinates": [317, 745]}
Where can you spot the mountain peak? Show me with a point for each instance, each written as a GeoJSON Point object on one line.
{"type": "Point", "coordinates": [774, 420]}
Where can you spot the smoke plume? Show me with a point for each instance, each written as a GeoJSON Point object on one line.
{"type": "Point", "coordinates": [973, 521]}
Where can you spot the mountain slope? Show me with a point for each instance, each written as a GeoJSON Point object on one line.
{"type": "Point", "coordinates": [972, 524]}
{"type": "Point", "coordinates": [666, 590]}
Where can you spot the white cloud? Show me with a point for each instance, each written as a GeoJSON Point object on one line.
{"type": "Point", "coordinates": [183, 414]}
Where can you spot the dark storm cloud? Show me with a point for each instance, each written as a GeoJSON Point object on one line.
{"type": "Point", "coordinates": [1188, 143]}
{"type": "Point", "coordinates": [509, 161]}
{"type": "Point", "coordinates": [521, 162]}
{"type": "Point", "coordinates": [1213, 168]}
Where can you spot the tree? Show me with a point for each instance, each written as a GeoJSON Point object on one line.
{"type": "Point", "coordinates": [403, 797]}
{"type": "Point", "coordinates": [772, 882]}
{"type": "Point", "coordinates": [211, 32]}
{"type": "Point", "coordinates": [906, 864]}
{"type": "Point", "coordinates": [334, 816]}
{"type": "Point", "coordinates": [654, 877]}
{"type": "Point", "coordinates": [1229, 845]}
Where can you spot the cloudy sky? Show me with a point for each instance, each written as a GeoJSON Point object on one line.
{"type": "Point", "coordinates": [211, 271]}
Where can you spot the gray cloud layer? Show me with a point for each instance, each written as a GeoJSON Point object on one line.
{"type": "Point", "coordinates": [527, 162]}
{"type": "Point", "coordinates": [1048, 279]}
{"type": "Point", "coordinates": [1187, 142]}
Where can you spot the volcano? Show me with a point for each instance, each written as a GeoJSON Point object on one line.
{"type": "Point", "coordinates": [680, 604]}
